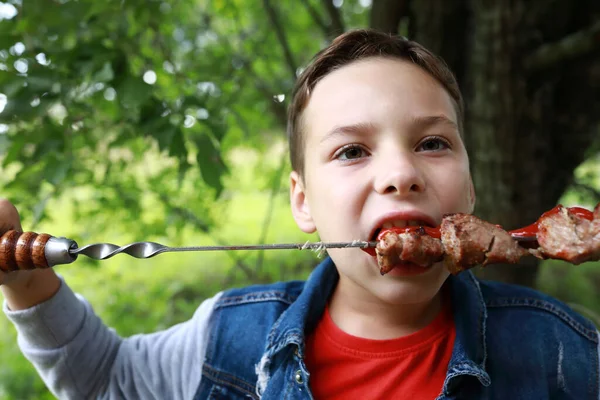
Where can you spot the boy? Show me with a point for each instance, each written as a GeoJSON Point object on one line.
{"type": "Point", "coordinates": [375, 130]}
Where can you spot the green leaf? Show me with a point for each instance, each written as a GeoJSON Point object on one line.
{"type": "Point", "coordinates": [162, 131]}
{"type": "Point", "coordinates": [210, 163]}
{"type": "Point", "coordinates": [13, 86]}
{"type": "Point", "coordinates": [133, 92]}
{"type": "Point", "coordinates": [39, 210]}
{"type": "Point", "coordinates": [56, 170]}
{"type": "Point", "coordinates": [105, 74]}
{"type": "Point", "coordinates": [14, 150]}
{"type": "Point", "coordinates": [184, 167]}
{"type": "Point", "coordinates": [40, 82]}
{"type": "Point", "coordinates": [177, 146]}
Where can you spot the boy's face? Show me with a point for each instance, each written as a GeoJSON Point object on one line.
{"type": "Point", "coordinates": [381, 145]}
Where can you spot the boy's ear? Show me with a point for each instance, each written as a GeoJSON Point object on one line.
{"type": "Point", "coordinates": [299, 202]}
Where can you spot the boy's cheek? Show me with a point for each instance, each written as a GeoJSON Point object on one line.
{"type": "Point", "coordinates": [472, 196]}
{"type": "Point", "coordinates": [465, 199]}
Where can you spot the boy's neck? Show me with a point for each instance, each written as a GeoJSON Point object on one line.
{"type": "Point", "coordinates": [372, 318]}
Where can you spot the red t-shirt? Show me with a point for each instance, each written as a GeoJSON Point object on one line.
{"type": "Point", "coordinates": [343, 366]}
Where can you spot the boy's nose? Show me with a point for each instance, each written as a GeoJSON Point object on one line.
{"type": "Point", "coordinates": [398, 175]}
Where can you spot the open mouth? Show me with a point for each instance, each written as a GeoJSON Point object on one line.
{"type": "Point", "coordinates": [399, 226]}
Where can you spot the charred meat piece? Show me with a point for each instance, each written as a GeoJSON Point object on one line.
{"type": "Point", "coordinates": [566, 236]}
{"type": "Point", "coordinates": [416, 247]}
{"type": "Point", "coordinates": [469, 241]}
{"type": "Point", "coordinates": [388, 251]}
{"type": "Point", "coordinates": [466, 241]}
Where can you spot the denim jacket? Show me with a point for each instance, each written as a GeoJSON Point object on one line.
{"type": "Point", "coordinates": [511, 342]}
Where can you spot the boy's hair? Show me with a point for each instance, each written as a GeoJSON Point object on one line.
{"type": "Point", "coordinates": [353, 46]}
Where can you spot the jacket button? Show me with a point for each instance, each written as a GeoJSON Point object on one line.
{"type": "Point", "coordinates": [298, 377]}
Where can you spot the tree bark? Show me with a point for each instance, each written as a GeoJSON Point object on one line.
{"type": "Point", "coordinates": [386, 15]}
{"type": "Point", "coordinates": [526, 128]}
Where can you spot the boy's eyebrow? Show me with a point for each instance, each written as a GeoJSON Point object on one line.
{"type": "Point", "coordinates": [360, 128]}
{"type": "Point", "coordinates": [423, 122]}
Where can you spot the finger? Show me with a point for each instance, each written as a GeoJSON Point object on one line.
{"type": "Point", "coordinates": [9, 217]}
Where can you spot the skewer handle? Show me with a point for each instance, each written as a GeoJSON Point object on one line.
{"type": "Point", "coordinates": [30, 250]}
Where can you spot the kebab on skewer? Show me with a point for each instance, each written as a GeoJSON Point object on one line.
{"type": "Point", "coordinates": [464, 241]}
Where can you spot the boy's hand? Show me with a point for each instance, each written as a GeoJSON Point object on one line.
{"type": "Point", "coordinates": [23, 289]}
{"type": "Point", "coordinates": [9, 219]}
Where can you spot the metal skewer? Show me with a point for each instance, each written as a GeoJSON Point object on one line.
{"type": "Point", "coordinates": [30, 250]}
{"type": "Point", "coordinates": [102, 251]}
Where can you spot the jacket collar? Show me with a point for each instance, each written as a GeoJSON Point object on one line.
{"type": "Point", "coordinates": [468, 356]}
{"type": "Point", "coordinates": [304, 313]}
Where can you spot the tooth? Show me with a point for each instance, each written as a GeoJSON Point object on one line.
{"type": "Point", "coordinates": [387, 225]}
{"type": "Point", "coordinates": [413, 223]}
{"type": "Point", "coordinates": [399, 224]}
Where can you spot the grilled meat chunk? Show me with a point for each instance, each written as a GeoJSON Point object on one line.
{"type": "Point", "coordinates": [469, 241]}
{"type": "Point", "coordinates": [416, 247]}
{"type": "Point", "coordinates": [388, 251]}
{"type": "Point", "coordinates": [567, 236]}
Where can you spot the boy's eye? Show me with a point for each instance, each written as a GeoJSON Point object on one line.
{"type": "Point", "coordinates": [434, 144]}
{"type": "Point", "coordinates": [350, 152]}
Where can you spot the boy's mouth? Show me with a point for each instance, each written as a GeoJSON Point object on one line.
{"type": "Point", "coordinates": [398, 224]}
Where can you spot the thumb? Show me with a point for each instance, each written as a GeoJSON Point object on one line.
{"type": "Point", "coordinates": [9, 217]}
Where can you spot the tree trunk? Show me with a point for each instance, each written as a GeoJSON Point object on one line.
{"type": "Point", "coordinates": [528, 122]}
{"type": "Point", "coordinates": [386, 15]}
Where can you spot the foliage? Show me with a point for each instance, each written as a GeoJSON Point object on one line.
{"type": "Point", "coordinates": [92, 86]}
{"type": "Point", "coordinates": [585, 189]}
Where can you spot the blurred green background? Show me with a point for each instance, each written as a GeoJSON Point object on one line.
{"type": "Point", "coordinates": [123, 121]}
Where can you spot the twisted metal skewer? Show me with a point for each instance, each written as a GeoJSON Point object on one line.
{"type": "Point", "coordinates": [30, 250]}
{"type": "Point", "coordinates": [103, 251]}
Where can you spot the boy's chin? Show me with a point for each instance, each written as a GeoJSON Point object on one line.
{"type": "Point", "coordinates": [403, 293]}
{"type": "Point", "coordinates": [404, 287]}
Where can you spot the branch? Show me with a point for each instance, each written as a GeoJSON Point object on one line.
{"type": "Point", "coordinates": [336, 26]}
{"type": "Point", "coordinates": [574, 45]}
{"type": "Point", "coordinates": [317, 18]}
{"type": "Point", "coordinates": [278, 109]}
{"type": "Point", "coordinates": [280, 32]}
